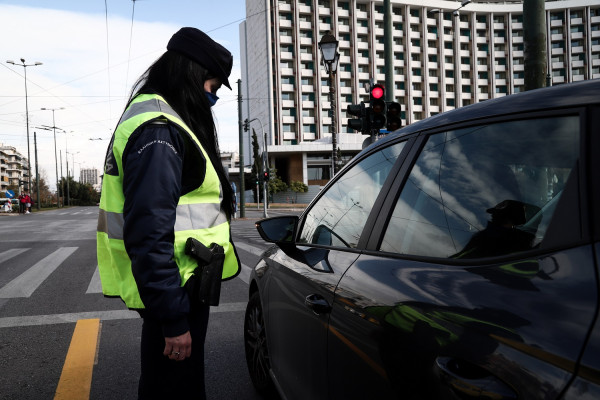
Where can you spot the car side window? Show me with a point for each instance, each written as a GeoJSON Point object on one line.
{"type": "Point", "coordinates": [484, 191]}
{"type": "Point", "coordinates": [339, 216]}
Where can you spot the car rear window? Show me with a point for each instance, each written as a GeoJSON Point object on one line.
{"type": "Point", "coordinates": [484, 191]}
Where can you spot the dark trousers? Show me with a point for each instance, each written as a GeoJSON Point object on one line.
{"type": "Point", "coordinates": [162, 378]}
{"type": "Point", "coordinates": [22, 208]}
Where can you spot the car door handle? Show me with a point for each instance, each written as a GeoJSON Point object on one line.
{"type": "Point", "coordinates": [317, 304]}
{"type": "Point", "coordinates": [471, 381]}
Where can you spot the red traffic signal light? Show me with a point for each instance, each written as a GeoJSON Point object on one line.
{"type": "Point", "coordinates": [377, 91]}
{"type": "Point", "coordinates": [266, 176]}
{"type": "Point", "coordinates": [378, 107]}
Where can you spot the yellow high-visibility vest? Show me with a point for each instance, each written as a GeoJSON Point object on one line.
{"type": "Point", "coordinates": [199, 214]}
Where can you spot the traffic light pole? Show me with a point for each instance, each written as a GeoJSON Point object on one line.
{"type": "Point", "coordinates": [265, 161]}
{"type": "Point", "coordinates": [388, 51]}
{"type": "Point", "coordinates": [241, 140]}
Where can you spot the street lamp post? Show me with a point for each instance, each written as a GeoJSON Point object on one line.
{"type": "Point", "coordinates": [26, 111]}
{"type": "Point", "coordinates": [72, 166]}
{"type": "Point", "coordinates": [55, 153]}
{"type": "Point", "coordinates": [37, 174]}
{"type": "Point", "coordinates": [330, 56]}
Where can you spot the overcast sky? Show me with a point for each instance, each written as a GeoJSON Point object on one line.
{"type": "Point", "coordinates": [90, 60]}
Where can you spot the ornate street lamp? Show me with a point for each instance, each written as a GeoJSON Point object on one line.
{"type": "Point", "coordinates": [330, 56]}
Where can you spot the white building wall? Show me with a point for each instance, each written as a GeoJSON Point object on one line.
{"type": "Point", "coordinates": [441, 61]}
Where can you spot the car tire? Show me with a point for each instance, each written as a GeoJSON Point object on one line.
{"type": "Point", "coordinates": [257, 352]}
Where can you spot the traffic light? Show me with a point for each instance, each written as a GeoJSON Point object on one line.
{"type": "Point", "coordinates": [266, 176]}
{"type": "Point", "coordinates": [394, 121]}
{"type": "Point", "coordinates": [378, 107]}
{"type": "Point", "coordinates": [246, 125]}
{"type": "Point", "coordinates": [362, 122]}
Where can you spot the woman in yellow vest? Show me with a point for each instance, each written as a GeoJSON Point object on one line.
{"type": "Point", "coordinates": [163, 183]}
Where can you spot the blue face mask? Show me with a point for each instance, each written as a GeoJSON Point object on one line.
{"type": "Point", "coordinates": [212, 98]}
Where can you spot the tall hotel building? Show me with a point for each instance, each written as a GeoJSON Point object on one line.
{"type": "Point", "coordinates": [442, 61]}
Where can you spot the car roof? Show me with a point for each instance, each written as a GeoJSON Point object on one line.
{"type": "Point", "coordinates": [555, 97]}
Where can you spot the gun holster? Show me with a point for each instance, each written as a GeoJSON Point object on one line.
{"type": "Point", "coordinates": [204, 286]}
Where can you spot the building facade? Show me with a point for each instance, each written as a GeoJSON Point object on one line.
{"type": "Point", "coordinates": [14, 168]}
{"type": "Point", "coordinates": [89, 175]}
{"type": "Point", "coordinates": [442, 60]}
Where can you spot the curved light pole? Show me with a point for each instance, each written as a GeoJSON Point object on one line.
{"type": "Point", "coordinates": [330, 56]}
{"type": "Point", "coordinates": [26, 111]}
{"type": "Point", "coordinates": [53, 127]}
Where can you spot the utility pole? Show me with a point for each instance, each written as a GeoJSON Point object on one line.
{"type": "Point", "coordinates": [534, 38]}
{"type": "Point", "coordinates": [241, 145]}
{"type": "Point", "coordinates": [388, 35]}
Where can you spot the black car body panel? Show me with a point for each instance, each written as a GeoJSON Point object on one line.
{"type": "Point", "coordinates": [413, 304]}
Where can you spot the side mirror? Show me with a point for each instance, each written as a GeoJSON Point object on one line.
{"type": "Point", "coordinates": [280, 230]}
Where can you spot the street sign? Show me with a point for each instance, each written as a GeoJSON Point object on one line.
{"type": "Point", "coordinates": [9, 194]}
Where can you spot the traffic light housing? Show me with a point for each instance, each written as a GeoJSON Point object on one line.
{"type": "Point", "coordinates": [266, 176]}
{"type": "Point", "coordinates": [393, 119]}
{"type": "Point", "coordinates": [362, 122]}
{"type": "Point", "coordinates": [378, 107]}
{"type": "Point", "coordinates": [246, 125]}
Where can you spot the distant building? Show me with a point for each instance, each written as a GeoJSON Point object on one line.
{"type": "Point", "coordinates": [89, 175]}
{"type": "Point", "coordinates": [442, 60]}
{"type": "Point", "coordinates": [13, 168]}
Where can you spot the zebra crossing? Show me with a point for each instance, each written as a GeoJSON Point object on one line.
{"type": "Point", "coordinates": [26, 283]}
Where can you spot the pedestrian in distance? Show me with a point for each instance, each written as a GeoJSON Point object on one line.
{"type": "Point", "coordinates": [27, 203]}
{"type": "Point", "coordinates": [22, 203]}
{"type": "Point", "coordinates": [164, 183]}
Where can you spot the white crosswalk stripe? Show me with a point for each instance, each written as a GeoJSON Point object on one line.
{"type": "Point", "coordinates": [26, 283]}
{"type": "Point", "coordinates": [8, 254]}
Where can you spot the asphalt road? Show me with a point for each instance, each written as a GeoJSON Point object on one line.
{"type": "Point", "coordinates": [49, 282]}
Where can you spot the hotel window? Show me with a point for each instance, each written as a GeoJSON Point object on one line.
{"type": "Point", "coordinates": [466, 88]}
{"type": "Point", "coordinates": [433, 87]}
{"type": "Point", "coordinates": [449, 73]}
{"type": "Point", "coordinates": [400, 85]}
{"type": "Point", "coordinates": [465, 60]}
{"type": "Point", "coordinates": [450, 102]}
{"type": "Point", "coordinates": [450, 88]}
{"type": "Point", "coordinates": [501, 89]}
{"type": "Point", "coordinates": [433, 73]}
{"type": "Point", "coordinates": [433, 58]}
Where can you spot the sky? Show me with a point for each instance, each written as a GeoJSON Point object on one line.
{"type": "Point", "coordinates": [92, 52]}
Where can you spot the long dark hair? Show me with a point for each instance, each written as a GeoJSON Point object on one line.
{"type": "Point", "coordinates": [180, 82]}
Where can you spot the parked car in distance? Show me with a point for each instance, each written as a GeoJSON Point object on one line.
{"type": "Point", "coordinates": [456, 258]}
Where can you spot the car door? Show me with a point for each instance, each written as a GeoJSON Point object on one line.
{"type": "Point", "coordinates": [482, 282]}
{"type": "Point", "coordinates": [301, 280]}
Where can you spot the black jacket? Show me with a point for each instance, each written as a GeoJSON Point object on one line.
{"type": "Point", "coordinates": [160, 165]}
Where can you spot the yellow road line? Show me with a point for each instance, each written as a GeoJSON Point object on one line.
{"type": "Point", "coordinates": [76, 377]}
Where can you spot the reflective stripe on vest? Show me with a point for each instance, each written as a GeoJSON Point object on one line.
{"type": "Point", "coordinates": [189, 217]}
{"type": "Point", "coordinates": [198, 213]}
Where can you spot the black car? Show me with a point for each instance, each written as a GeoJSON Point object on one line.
{"type": "Point", "coordinates": [454, 259]}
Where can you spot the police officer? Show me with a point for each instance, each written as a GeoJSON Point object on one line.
{"type": "Point", "coordinates": [164, 182]}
